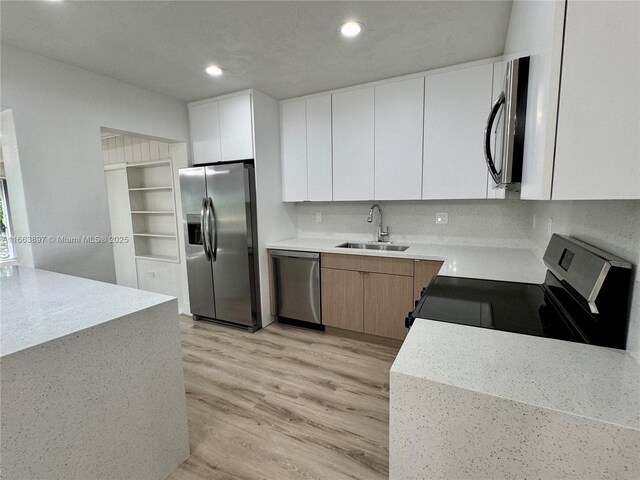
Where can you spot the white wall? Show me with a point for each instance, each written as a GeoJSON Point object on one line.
{"type": "Point", "coordinates": [502, 223]}
{"type": "Point", "coordinates": [276, 219]}
{"type": "Point", "coordinates": [58, 110]}
{"type": "Point", "coordinates": [613, 225]}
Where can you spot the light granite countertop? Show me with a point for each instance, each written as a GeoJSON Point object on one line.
{"type": "Point", "coordinates": [507, 264]}
{"type": "Point", "coordinates": [593, 382]}
{"type": "Point", "coordinates": [38, 306]}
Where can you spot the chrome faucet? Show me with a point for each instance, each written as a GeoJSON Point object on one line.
{"type": "Point", "coordinates": [383, 233]}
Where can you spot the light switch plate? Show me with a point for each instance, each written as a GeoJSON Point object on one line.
{"type": "Point", "coordinates": [442, 218]}
{"type": "Point", "coordinates": [318, 217]}
{"type": "Point", "coordinates": [549, 226]}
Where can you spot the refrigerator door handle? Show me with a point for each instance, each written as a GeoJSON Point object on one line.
{"type": "Point", "coordinates": [204, 228]}
{"type": "Point", "coordinates": [487, 139]}
{"type": "Point", "coordinates": [213, 238]}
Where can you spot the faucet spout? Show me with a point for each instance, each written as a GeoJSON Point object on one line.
{"type": "Point", "coordinates": [370, 217]}
{"type": "Point", "coordinates": [382, 233]}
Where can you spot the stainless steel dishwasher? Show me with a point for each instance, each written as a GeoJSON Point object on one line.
{"type": "Point", "coordinates": [297, 284]}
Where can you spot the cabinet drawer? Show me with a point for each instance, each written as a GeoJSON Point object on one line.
{"type": "Point", "coordinates": [361, 263]}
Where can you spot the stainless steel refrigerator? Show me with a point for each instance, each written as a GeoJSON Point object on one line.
{"type": "Point", "coordinates": [219, 215]}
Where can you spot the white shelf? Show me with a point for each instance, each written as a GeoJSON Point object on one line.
{"type": "Point", "coordinates": [157, 235]}
{"type": "Point", "coordinates": [156, 163]}
{"type": "Point", "coordinates": [159, 258]}
{"type": "Point", "coordinates": [153, 212]}
{"type": "Point", "coordinates": [150, 189]}
{"type": "Point", "coordinates": [115, 166]}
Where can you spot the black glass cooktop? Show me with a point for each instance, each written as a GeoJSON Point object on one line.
{"type": "Point", "coordinates": [508, 306]}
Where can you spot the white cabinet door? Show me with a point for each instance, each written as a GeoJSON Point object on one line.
{"type": "Point", "coordinates": [236, 132]}
{"type": "Point", "coordinates": [120, 218]}
{"type": "Point", "coordinates": [498, 81]}
{"type": "Point", "coordinates": [204, 122]}
{"type": "Point", "coordinates": [158, 277]}
{"type": "Point", "coordinates": [399, 108]}
{"type": "Point", "coordinates": [353, 144]}
{"type": "Point", "coordinates": [598, 140]}
{"type": "Point", "coordinates": [319, 168]}
{"type": "Point", "coordinates": [456, 108]}
{"type": "Point", "coordinates": [294, 151]}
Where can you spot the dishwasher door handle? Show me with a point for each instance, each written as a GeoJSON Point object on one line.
{"type": "Point", "coordinates": [300, 255]}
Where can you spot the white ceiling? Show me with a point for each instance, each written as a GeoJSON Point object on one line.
{"type": "Point", "coordinates": [284, 49]}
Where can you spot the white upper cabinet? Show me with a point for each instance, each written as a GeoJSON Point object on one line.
{"type": "Point", "coordinates": [456, 108]}
{"type": "Point", "coordinates": [498, 81]}
{"type": "Point", "coordinates": [221, 130]}
{"type": "Point", "coordinates": [319, 165]}
{"type": "Point", "coordinates": [306, 150]}
{"type": "Point", "coordinates": [598, 140]}
{"type": "Point", "coordinates": [294, 151]}
{"type": "Point", "coordinates": [399, 108]}
{"type": "Point", "coordinates": [236, 132]}
{"type": "Point", "coordinates": [204, 121]}
{"type": "Point", "coordinates": [353, 144]}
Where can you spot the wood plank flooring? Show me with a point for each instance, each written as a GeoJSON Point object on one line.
{"type": "Point", "coordinates": [284, 403]}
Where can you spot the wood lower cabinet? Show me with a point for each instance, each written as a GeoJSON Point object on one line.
{"type": "Point", "coordinates": [387, 299]}
{"type": "Point", "coordinates": [342, 299]}
{"type": "Point", "coordinates": [372, 294]}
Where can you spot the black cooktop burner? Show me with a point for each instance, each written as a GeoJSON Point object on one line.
{"type": "Point", "coordinates": [508, 306]}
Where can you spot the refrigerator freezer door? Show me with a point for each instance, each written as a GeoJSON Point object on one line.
{"type": "Point", "coordinates": [231, 242]}
{"type": "Point", "coordinates": [193, 187]}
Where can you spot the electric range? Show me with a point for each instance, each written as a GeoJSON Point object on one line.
{"type": "Point", "coordinates": [584, 298]}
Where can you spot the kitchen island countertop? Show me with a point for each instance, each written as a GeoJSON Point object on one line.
{"type": "Point", "coordinates": [92, 382]}
{"type": "Point", "coordinates": [39, 306]}
{"type": "Point", "coordinates": [505, 405]}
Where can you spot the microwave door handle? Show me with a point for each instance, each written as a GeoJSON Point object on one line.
{"type": "Point", "coordinates": [213, 225]}
{"type": "Point", "coordinates": [487, 139]}
{"type": "Point", "coordinates": [204, 228]}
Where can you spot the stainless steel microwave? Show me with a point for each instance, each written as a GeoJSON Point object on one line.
{"type": "Point", "coordinates": [504, 132]}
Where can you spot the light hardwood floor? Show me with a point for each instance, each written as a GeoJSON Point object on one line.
{"type": "Point", "coordinates": [284, 403]}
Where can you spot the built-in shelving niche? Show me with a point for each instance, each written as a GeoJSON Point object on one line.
{"type": "Point", "coordinates": [153, 216]}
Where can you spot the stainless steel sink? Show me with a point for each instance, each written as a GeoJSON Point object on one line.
{"type": "Point", "coordinates": [374, 246]}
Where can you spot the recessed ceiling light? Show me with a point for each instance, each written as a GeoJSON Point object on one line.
{"type": "Point", "coordinates": [351, 29]}
{"type": "Point", "coordinates": [214, 70]}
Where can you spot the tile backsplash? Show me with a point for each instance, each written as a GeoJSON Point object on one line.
{"type": "Point", "coordinates": [501, 223]}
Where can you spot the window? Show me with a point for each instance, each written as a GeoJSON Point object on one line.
{"type": "Point", "coordinates": [6, 247]}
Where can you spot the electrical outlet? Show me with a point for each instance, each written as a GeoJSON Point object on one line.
{"type": "Point", "coordinates": [442, 218]}
{"type": "Point", "coordinates": [549, 226]}
{"type": "Point", "coordinates": [318, 217]}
